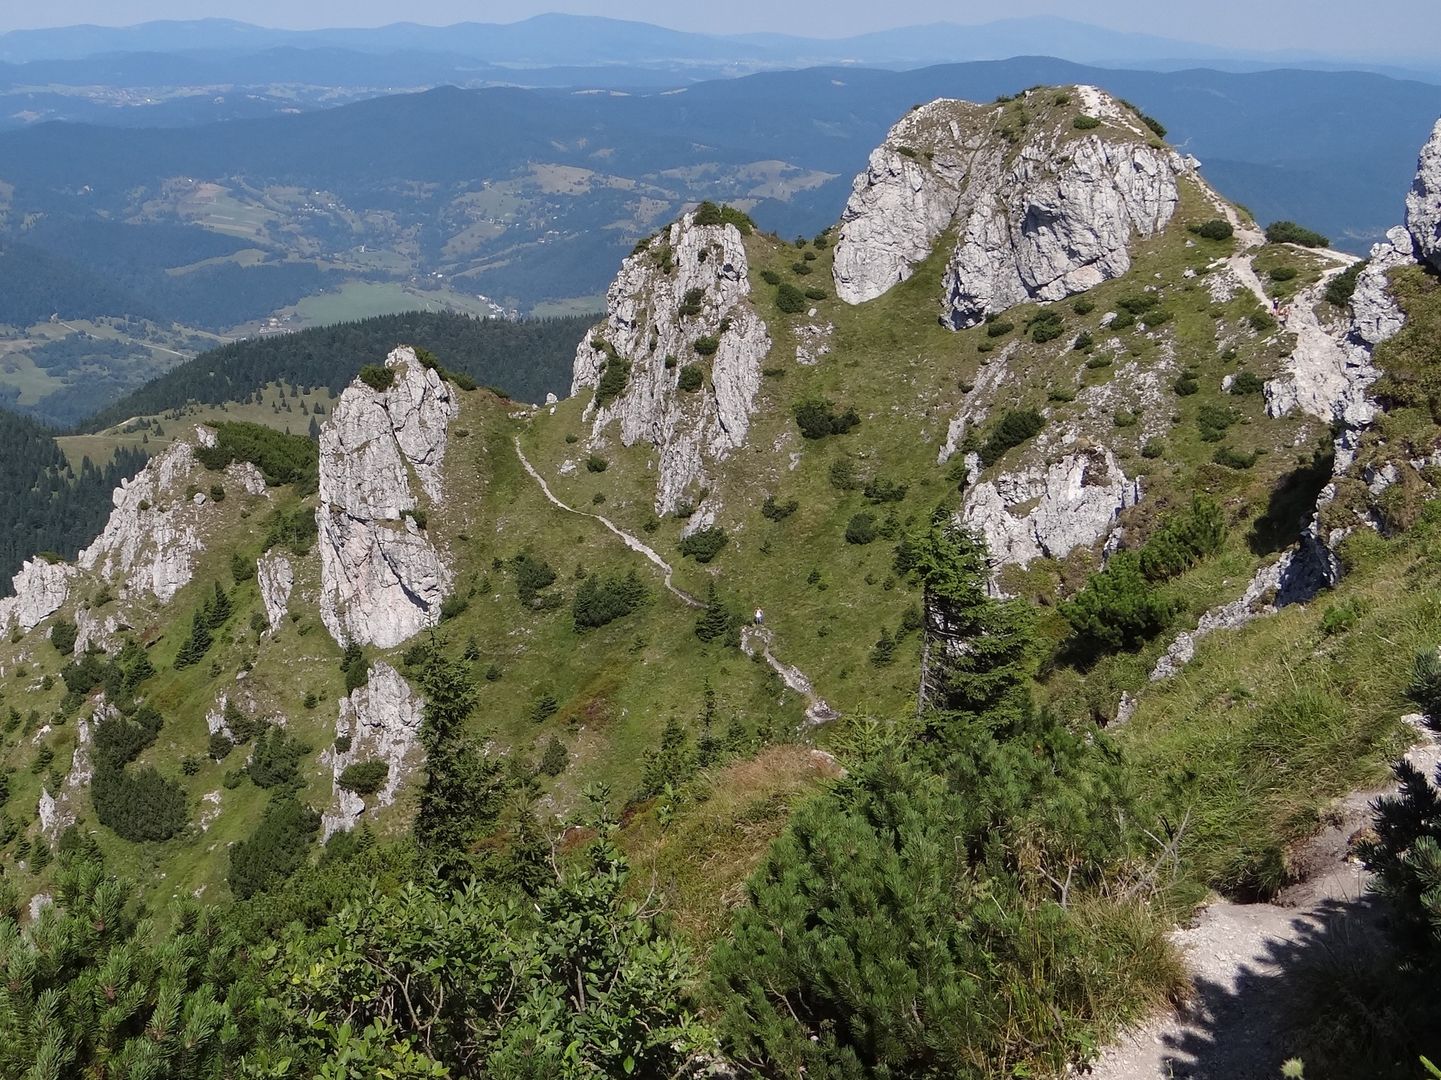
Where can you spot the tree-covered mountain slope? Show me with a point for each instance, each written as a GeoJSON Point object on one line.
{"type": "Point", "coordinates": [928, 613]}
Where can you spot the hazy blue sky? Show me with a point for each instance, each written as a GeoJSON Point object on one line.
{"type": "Point", "coordinates": [1407, 27]}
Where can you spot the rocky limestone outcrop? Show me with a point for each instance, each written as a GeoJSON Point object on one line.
{"type": "Point", "coordinates": [41, 589]}
{"type": "Point", "coordinates": [150, 543]}
{"type": "Point", "coordinates": [58, 810]}
{"type": "Point", "coordinates": [382, 721]}
{"type": "Point", "coordinates": [690, 283]}
{"type": "Point", "coordinates": [1037, 216]}
{"type": "Point", "coordinates": [275, 577]}
{"type": "Point", "coordinates": [382, 579]}
{"type": "Point", "coordinates": [1048, 511]}
{"type": "Point", "coordinates": [1423, 204]}
{"type": "Point", "coordinates": [1325, 375]}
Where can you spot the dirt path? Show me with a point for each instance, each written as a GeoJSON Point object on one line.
{"type": "Point", "coordinates": [817, 711]}
{"type": "Point", "coordinates": [1250, 962]}
{"type": "Point", "coordinates": [626, 538]}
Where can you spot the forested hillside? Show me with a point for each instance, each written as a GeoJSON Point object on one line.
{"type": "Point", "coordinates": [50, 507]}
{"type": "Point", "coordinates": [525, 359]}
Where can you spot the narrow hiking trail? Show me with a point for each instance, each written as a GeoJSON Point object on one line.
{"type": "Point", "coordinates": [626, 538]}
{"type": "Point", "coordinates": [1250, 962]}
{"type": "Point", "coordinates": [817, 711]}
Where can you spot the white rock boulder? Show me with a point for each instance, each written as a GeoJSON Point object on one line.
{"type": "Point", "coordinates": [382, 721]}
{"type": "Point", "coordinates": [41, 589]}
{"type": "Point", "coordinates": [275, 577]}
{"type": "Point", "coordinates": [1048, 511]}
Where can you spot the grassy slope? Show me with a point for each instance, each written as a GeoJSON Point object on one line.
{"type": "Point", "coordinates": [1254, 757]}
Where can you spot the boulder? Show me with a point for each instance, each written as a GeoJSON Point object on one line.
{"type": "Point", "coordinates": [382, 721]}
{"type": "Point", "coordinates": [1048, 511]}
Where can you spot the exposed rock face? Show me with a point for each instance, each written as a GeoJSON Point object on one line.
{"type": "Point", "coordinates": [59, 810]}
{"type": "Point", "coordinates": [276, 578]}
{"type": "Point", "coordinates": [645, 325]}
{"type": "Point", "coordinates": [1324, 376]}
{"type": "Point", "coordinates": [382, 580]}
{"type": "Point", "coordinates": [152, 537]}
{"type": "Point", "coordinates": [1423, 204]}
{"type": "Point", "coordinates": [1049, 511]}
{"type": "Point", "coordinates": [41, 588]}
{"type": "Point", "coordinates": [382, 720]}
{"type": "Point", "coordinates": [1046, 218]}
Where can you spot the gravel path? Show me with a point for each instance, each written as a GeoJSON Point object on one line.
{"type": "Point", "coordinates": [1245, 1015]}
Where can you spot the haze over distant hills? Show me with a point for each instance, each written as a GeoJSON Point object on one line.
{"type": "Point", "coordinates": [213, 178]}
{"type": "Point", "coordinates": [549, 41]}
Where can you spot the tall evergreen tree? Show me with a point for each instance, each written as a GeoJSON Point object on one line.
{"type": "Point", "coordinates": [463, 786]}
{"type": "Point", "coordinates": [978, 654]}
{"type": "Point", "coordinates": [715, 622]}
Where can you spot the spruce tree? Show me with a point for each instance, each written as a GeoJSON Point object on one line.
{"type": "Point", "coordinates": [715, 622]}
{"type": "Point", "coordinates": [978, 651]}
{"type": "Point", "coordinates": [463, 786]}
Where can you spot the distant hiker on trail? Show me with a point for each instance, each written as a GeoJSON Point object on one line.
{"type": "Point", "coordinates": [760, 617]}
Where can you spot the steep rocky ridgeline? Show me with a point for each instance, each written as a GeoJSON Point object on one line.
{"type": "Point", "coordinates": [382, 453]}
{"type": "Point", "coordinates": [677, 362]}
{"type": "Point", "coordinates": [163, 519]}
{"type": "Point", "coordinates": [1423, 203]}
{"type": "Point", "coordinates": [1036, 321]}
{"type": "Point", "coordinates": [1038, 198]}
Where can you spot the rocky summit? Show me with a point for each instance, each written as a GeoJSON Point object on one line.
{"type": "Point", "coordinates": [1043, 549]}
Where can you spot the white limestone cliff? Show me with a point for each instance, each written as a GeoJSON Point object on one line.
{"type": "Point", "coordinates": [382, 580]}
{"type": "Point", "coordinates": [382, 721]}
{"type": "Point", "coordinates": [1423, 204]}
{"type": "Point", "coordinates": [150, 543]}
{"type": "Point", "coordinates": [1048, 511]}
{"type": "Point", "coordinates": [41, 589]}
{"type": "Point", "coordinates": [275, 576]}
{"type": "Point", "coordinates": [645, 327]}
{"type": "Point", "coordinates": [1040, 216]}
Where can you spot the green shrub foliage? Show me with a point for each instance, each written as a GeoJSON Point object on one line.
{"type": "Point", "coordinates": [1118, 608]}
{"type": "Point", "coordinates": [940, 945]}
{"type": "Point", "coordinates": [364, 777]}
{"type": "Point", "coordinates": [1215, 229]}
{"type": "Point", "coordinates": [703, 545]}
{"type": "Point", "coordinates": [600, 601]}
{"type": "Point", "coordinates": [1288, 232]}
{"type": "Point", "coordinates": [691, 378]}
{"type": "Point", "coordinates": [378, 377]}
{"type": "Point", "coordinates": [790, 299]}
{"type": "Point", "coordinates": [137, 804]}
{"type": "Point", "coordinates": [1016, 426]}
{"type": "Point", "coordinates": [276, 849]}
{"type": "Point", "coordinates": [281, 458]}
{"type": "Point", "coordinates": [817, 418]}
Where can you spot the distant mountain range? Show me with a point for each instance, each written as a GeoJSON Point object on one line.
{"type": "Point", "coordinates": [586, 42]}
